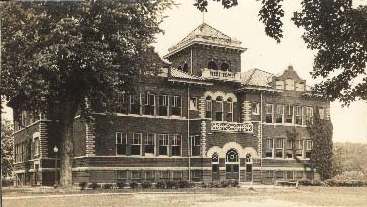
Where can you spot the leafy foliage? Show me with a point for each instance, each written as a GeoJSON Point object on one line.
{"type": "Point", "coordinates": [336, 30]}
{"type": "Point", "coordinates": [7, 144]}
{"type": "Point", "coordinates": [321, 132]}
{"type": "Point", "coordinates": [270, 14]}
{"type": "Point", "coordinates": [56, 53]}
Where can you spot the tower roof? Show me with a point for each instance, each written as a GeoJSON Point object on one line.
{"type": "Point", "coordinates": [206, 35]}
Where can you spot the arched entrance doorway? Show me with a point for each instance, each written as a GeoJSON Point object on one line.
{"type": "Point", "coordinates": [232, 165]}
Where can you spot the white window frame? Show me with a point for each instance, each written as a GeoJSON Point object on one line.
{"type": "Point", "coordinates": [282, 113]}
{"type": "Point", "coordinates": [165, 142]}
{"type": "Point", "coordinates": [146, 142]}
{"type": "Point", "coordinates": [139, 141]}
{"type": "Point", "coordinates": [119, 140]}
{"type": "Point", "coordinates": [267, 113]}
{"type": "Point", "coordinates": [174, 139]}
{"type": "Point", "coordinates": [257, 107]}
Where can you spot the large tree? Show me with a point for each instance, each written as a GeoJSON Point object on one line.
{"type": "Point", "coordinates": [56, 53]}
{"type": "Point", "coordinates": [6, 148]}
{"type": "Point", "coordinates": [336, 30]}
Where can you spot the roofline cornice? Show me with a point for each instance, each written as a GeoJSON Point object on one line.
{"type": "Point", "coordinates": [186, 45]}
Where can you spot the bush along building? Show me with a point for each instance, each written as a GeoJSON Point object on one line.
{"type": "Point", "coordinates": [201, 119]}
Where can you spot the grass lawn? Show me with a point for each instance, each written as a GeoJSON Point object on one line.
{"type": "Point", "coordinates": [267, 197]}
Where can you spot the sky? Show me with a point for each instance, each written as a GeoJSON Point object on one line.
{"type": "Point", "coordinates": [241, 22]}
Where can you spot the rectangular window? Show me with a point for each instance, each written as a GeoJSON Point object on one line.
{"type": "Point", "coordinates": [279, 113]}
{"type": "Point", "coordinates": [195, 145]}
{"type": "Point", "coordinates": [122, 175]}
{"type": "Point", "coordinates": [197, 175]}
{"type": "Point", "coordinates": [136, 144]}
{"type": "Point", "coordinates": [149, 104]}
{"type": "Point", "coordinates": [176, 145]}
{"type": "Point", "coordinates": [269, 113]}
{"type": "Point", "coordinates": [149, 144]}
{"type": "Point", "coordinates": [290, 148]}
{"type": "Point", "coordinates": [269, 148]}
{"type": "Point", "coordinates": [163, 105]}
{"type": "Point", "coordinates": [229, 109]}
{"type": "Point", "coordinates": [279, 145]}
{"type": "Point", "coordinates": [175, 106]}
{"type": "Point", "coordinates": [300, 87]}
{"type": "Point", "coordinates": [255, 108]}
{"type": "Point", "coordinates": [299, 148]}
{"type": "Point", "coordinates": [289, 85]}
{"type": "Point", "coordinates": [194, 103]}
{"type": "Point", "coordinates": [135, 104]}
{"type": "Point", "coordinates": [177, 175]}
{"type": "Point", "coordinates": [36, 146]}
{"type": "Point", "coordinates": [208, 109]}
{"type": "Point", "coordinates": [279, 85]}
{"type": "Point", "coordinates": [136, 175]}
{"type": "Point", "coordinates": [308, 114]}
{"type": "Point", "coordinates": [218, 110]}
{"type": "Point", "coordinates": [120, 143]}
{"type": "Point", "coordinates": [120, 104]}
{"type": "Point", "coordinates": [288, 113]}
{"type": "Point", "coordinates": [322, 113]}
{"type": "Point", "coordinates": [163, 144]}
{"type": "Point", "coordinates": [150, 175]}
{"type": "Point", "coordinates": [298, 115]}
{"type": "Point", "coordinates": [164, 175]}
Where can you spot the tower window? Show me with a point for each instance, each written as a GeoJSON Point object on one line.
{"type": "Point", "coordinates": [212, 65]}
{"type": "Point", "coordinates": [224, 66]}
{"type": "Point", "coordinates": [185, 68]}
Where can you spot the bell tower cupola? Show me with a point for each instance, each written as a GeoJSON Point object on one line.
{"type": "Point", "coordinates": [206, 48]}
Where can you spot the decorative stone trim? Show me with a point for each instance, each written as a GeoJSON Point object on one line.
{"type": "Point", "coordinates": [90, 149]}
{"type": "Point", "coordinates": [246, 111]}
{"type": "Point", "coordinates": [242, 152]}
{"type": "Point", "coordinates": [202, 107]}
{"type": "Point", "coordinates": [203, 138]}
{"type": "Point", "coordinates": [260, 142]}
{"type": "Point", "coordinates": [43, 139]}
{"type": "Point", "coordinates": [223, 94]}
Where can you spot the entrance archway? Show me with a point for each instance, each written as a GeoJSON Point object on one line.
{"type": "Point", "coordinates": [232, 165]}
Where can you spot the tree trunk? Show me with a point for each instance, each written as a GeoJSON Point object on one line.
{"type": "Point", "coordinates": [66, 144]}
{"type": "Point", "coordinates": [66, 153]}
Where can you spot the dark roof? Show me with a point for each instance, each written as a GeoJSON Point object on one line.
{"type": "Point", "coordinates": [205, 34]}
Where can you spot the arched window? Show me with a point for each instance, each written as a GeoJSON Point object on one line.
{"type": "Point", "coordinates": [215, 159]}
{"type": "Point", "coordinates": [229, 110]}
{"type": "Point", "coordinates": [248, 158]}
{"type": "Point", "coordinates": [212, 65]}
{"type": "Point", "coordinates": [224, 66]}
{"type": "Point", "coordinates": [185, 67]}
{"type": "Point", "coordinates": [208, 107]}
{"type": "Point", "coordinates": [232, 156]}
{"type": "Point", "coordinates": [219, 108]}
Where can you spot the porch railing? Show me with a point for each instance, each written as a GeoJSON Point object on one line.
{"type": "Point", "coordinates": [246, 127]}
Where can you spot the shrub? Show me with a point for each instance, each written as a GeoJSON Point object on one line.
{"type": "Point", "coordinates": [214, 185]}
{"type": "Point", "coordinates": [160, 185]}
{"type": "Point", "coordinates": [107, 186]}
{"type": "Point", "coordinates": [93, 185]}
{"type": "Point", "coordinates": [134, 185]}
{"type": "Point", "coordinates": [234, 183]}
{"type": "Point", "coordinates": [171, 184]}
{"type": "Point", "coordinates": [345, 183]}
{"type": "Point", "coordinates": [146, 185]}
{"type": "Point", "coordinates": [82, 185]}
{"type": "Point", "coordinates": [120, 185]}
{"type": "Point", "coordinates": [307, 182]}
{"type": "Point", "coordinates": [183, 184]}
{"type": "Point", "coordinates": [225, 183]}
